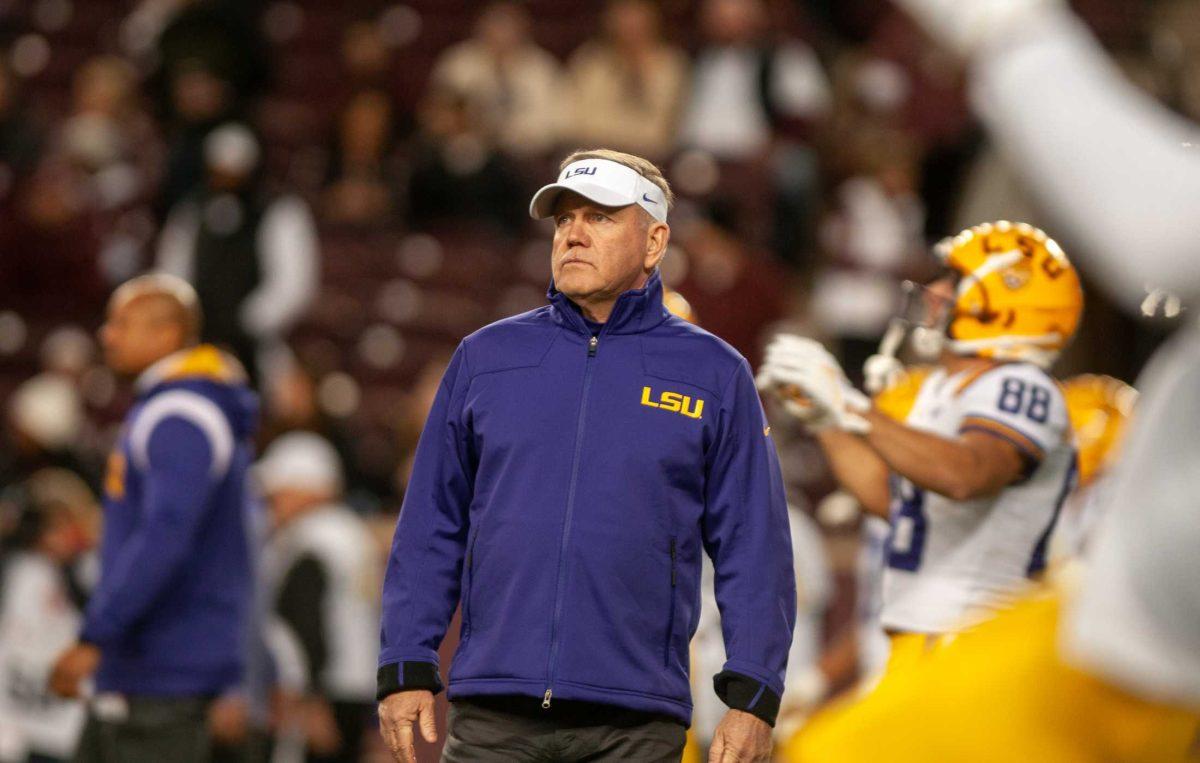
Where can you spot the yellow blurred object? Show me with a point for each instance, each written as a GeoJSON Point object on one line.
{"type": "Point", "coordinates": [1099, 407]}
{"type": "Point", "coordinates": [1018, 296]}
{"type": "Point", "coordinates": [678, 306]}
{"type": "Point", "coordinates": [996, 694]}
{"type": "Point", "coordinates": [691, 751]}
{"type": "Point", "coordinates": [898, 398]}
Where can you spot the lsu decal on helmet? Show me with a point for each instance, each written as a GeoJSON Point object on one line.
{"type": "Point", "coordinates": [1099, 408]}
{"type": "Point", "coordinates": [1017, 297]}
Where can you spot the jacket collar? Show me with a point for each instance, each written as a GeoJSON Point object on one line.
{"type": "Point", "coordinates": [636, 311]}
{"type": "Point", "coordinates": [202, 362]}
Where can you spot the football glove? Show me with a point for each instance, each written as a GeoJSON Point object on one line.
{"type": "Point", "coordinates": [812, 385]}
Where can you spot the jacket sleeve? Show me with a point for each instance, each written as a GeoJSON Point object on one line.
{"type": "Point", "coordinates": [421, 585]}
{"type": "Point", "coordinates": [746, 533]}
{"type": "Point", "coordinates": [184, 456]}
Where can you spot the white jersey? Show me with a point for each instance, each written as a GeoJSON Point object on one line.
{"type": "Point", "coordinates": [950, 561]}
{"type": "Point", "coordinates": [340, 542]}
{"type": "Point", "coordinates": [38, 621]}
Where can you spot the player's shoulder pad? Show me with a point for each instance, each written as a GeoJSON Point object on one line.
{"type": "Point", "coordinates": [188, 406]}
{"type": "Point", "coordinates": [679, 351]}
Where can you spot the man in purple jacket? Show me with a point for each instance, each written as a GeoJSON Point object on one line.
{"type": "Point", "coordinates": [578, 460]}
{"type": "Point", "coordinates": [165, 629]}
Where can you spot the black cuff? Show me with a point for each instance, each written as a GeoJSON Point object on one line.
{"type": "Point", "coordinates": [405, 676]}
{"type": "Point", "coordinates": [749, 694]}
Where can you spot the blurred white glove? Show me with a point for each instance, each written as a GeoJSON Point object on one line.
{"type": "Point", "coordinates": [881, 372]}
{"type": "Point", "coordinates": [970, 26]}
{"type": "Point", "coordinates": [812, 385]}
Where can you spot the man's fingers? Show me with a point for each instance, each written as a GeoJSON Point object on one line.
{"type": "Point", "coordinates": [404, 751]}
{"type": "Point", "coordinates": [425, 717]}
{"type": "Point", "coordinates": [717, 751]}
{"type": "Point", "coordinates": [388, 728]}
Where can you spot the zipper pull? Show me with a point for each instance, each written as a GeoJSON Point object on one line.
{"type": "Point", "coordinates": [592, 346]}
{"type": "Point", "coordinates": [546, 699]}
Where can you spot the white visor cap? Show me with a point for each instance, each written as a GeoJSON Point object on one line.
{"type": "Point", "coordinates": [605, 182]}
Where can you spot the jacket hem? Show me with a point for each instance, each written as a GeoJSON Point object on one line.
{"type": "Point", "coordinates": [626, 698]}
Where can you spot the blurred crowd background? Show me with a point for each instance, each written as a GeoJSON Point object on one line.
{"type": "Point", "coordinates": [346, 186]}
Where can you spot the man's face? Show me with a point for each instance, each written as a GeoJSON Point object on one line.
{"type": "Point", "coordinates": [600, 252]}
{"type": "Point", "coordinates": [137, 333]}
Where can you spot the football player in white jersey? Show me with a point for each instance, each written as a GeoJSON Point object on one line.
{"type": "Point", "coordinates": [973, 479]}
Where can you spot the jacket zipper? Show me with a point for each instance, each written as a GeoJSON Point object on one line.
{"type": "Point", "coordinates": [671, 612]}
{"type": "Point", "coordinates": [593, 343]}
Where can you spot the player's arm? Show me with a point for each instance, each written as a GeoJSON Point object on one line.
{"type": "Point", "coordinates": [972, 465]}
{"type": "Point", "coordinates": [858, 469]}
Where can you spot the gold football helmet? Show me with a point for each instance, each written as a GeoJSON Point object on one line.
{"type": "Point", "coordinates": [1017, 295]}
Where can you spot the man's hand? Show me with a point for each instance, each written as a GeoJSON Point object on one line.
{"type": "Point", "coordinates": [397, 713]}
{"type": "Point", "coordinates": [740, 738]}
{"type": "Point", "coordinates": [320, 727]}
{"type": "Point", "coordinates": [73, 666]}
{"type": "Point", "coordinates": [812, 385]}
{"type": "Point", "coordinates": [229, 719]}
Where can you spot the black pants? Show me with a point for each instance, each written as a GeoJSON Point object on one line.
{"type": "Point", "coordinates": [517, 730]}
{"type": "Point", "coordinates": [152, 730]}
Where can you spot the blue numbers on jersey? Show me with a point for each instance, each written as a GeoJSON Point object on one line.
{"type": "Point", "coordinates": [1013, 399]}
{"type": "Point", "coordinates": [906, 541]}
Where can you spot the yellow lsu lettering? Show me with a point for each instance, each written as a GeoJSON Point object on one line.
{"type": "Point", "coordinates": [114, 478]}
{"type": "Point", "coordinates": [674, 402]}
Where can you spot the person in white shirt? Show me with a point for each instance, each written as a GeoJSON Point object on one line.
{"type": "Point", "coordinates": [252, 258]}
{"type": "Point", "coordinates": [41, 613]}
{"type": "Point", "coordinates": [322, 571]}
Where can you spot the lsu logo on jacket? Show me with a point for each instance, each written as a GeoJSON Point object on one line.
{"type": "Point", "coordinates": [674, 402]}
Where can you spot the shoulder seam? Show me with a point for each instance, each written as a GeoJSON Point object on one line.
{"type": "Point", "coordinates": [194, 408]}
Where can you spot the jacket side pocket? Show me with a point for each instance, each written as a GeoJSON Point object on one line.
{"type": "Point", "coordinates": [670, 611]}
{"type": "Point", "coordinates": [469, 562]}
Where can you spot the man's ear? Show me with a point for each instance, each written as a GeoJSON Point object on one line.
{"type": "Point", "coordinates": [657, 237]}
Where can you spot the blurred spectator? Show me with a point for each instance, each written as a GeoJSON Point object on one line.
{"type": "Point", "coordinates": [322, 571]}
{"type": "Point", "coordinates": [363, 179]}
{"type": "Point", "coordinates": [457, 174]}
{"type": "Point", "coordinates": [507, 80]}
{"type": "Point", "coordinates": [366, 57]}
{"type": "Point", "coordinates": [290, 397]}
{"type": "Point", "coordinates": [106, 136]}
{"type": "Point", "coordinates": [50, 244]}
{"type": "Point", "coordinates": [748, 85]}
{"type": "Point", "coordinates": [627, 85]}
{"type": "Point", "coordinates": [212, 66]}
{"type": "Point", "coordinates": [417, 405]}
{"type": "Point", "coordinates": [19, 139]}
{"type": "Point", "coordinates": [873, 237]}
{"type": "Point", "coordinates": [251, 257]}
{"type": "Point", "coordinates": [45, 423]}
{"type": "Point", "coordinates": [721, 272]}
{"type": "Point", "coordinates": [754, 98]}
{"type": "Point", "coordinates": [56, 523]}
